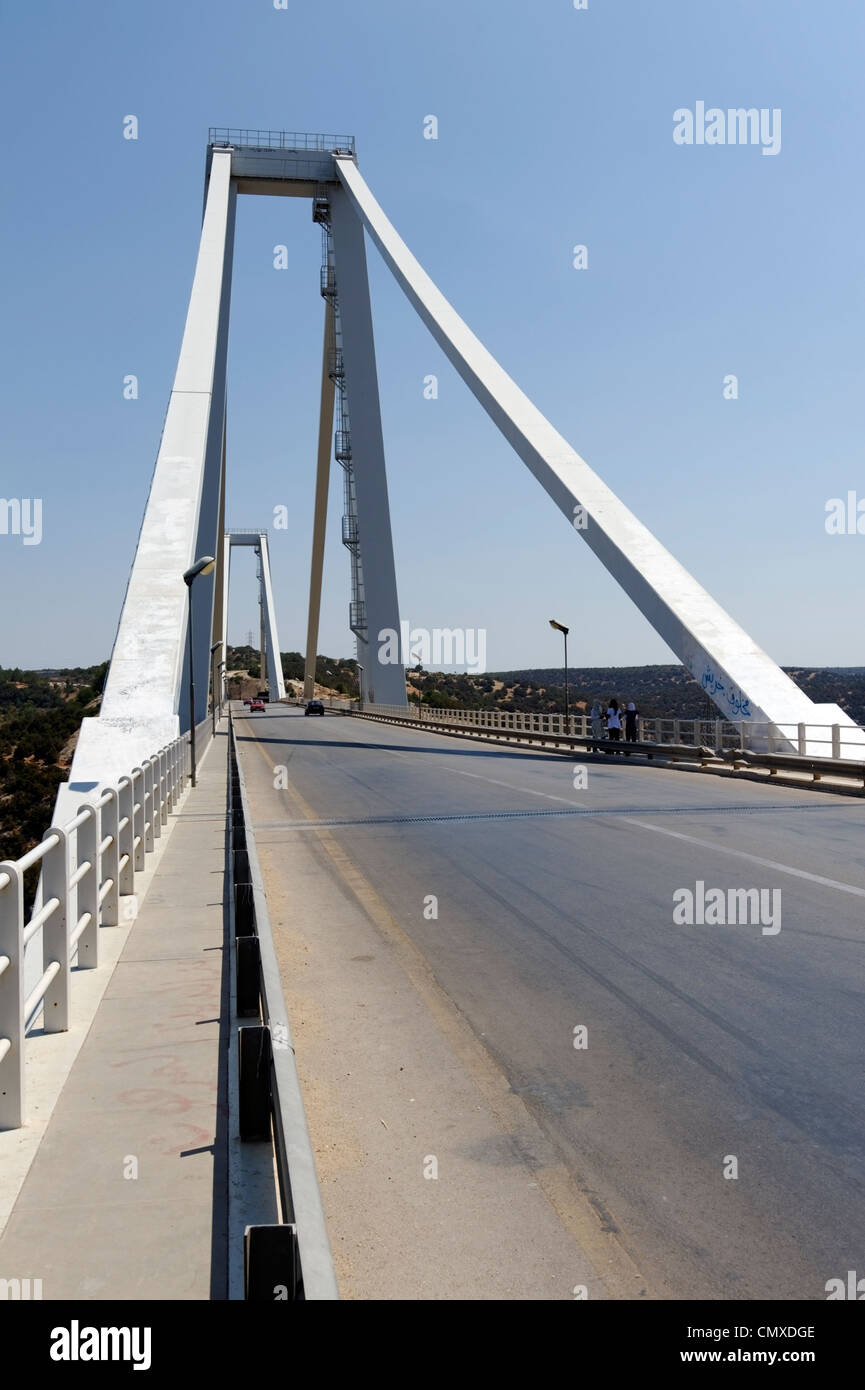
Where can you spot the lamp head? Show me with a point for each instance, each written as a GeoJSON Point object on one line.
{"type": "Point", "coordinates": [202, 566]}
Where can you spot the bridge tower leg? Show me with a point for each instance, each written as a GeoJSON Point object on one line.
{"type": "Point", "coordinates": [322, 485]}
{"type": "Point", "coordinates": [225, 550]}
{"type": "Point", "coordinates": [384, 677]}
{"type": "Point", "coordinates": [272, 659]}
{"type": "Point", "coordinates": [220, 592]}
{"type": "Point", "coordinates": [263, 652]}
{"type": "Point", "coordinates": [145, 702]}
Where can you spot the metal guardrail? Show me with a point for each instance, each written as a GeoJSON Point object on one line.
{"type": "Point", "coordinates": [279, 140]}
{"type": "Point", "coordinates": [703, 740]}
{"type": "Point", "coordinates": [818, 767]}
{"type": "Point", "coordinates": [719, 734]}
{"type": "Point", "coordinates": [295, 1254]}
{"type": "Point", "coordinates": [800, 739]}
{"type": "Point", "coordinates": [88, 864]}
{"type": "Point", "coordinates": [670, 752]}
{"type": "Point", "coordinates": [574, 742]}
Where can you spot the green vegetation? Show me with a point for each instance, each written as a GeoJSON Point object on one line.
{"type": "Point", "coordinates": [338, 673]}
{"type": "Point", "coordinates": [668, 692]}
{"type": "Point", "coordinates": [40, 713]}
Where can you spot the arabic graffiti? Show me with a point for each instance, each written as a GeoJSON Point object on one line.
{"type": "Point", "coordinates": [740, 706]}
{"type": "Point", "coordinates": [711, 683]}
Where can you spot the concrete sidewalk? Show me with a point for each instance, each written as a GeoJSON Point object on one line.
{"type": "Point", "coordinates": [127, 1195]}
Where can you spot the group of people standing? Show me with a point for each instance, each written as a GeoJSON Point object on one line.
{"type": "Point", "coordinates": [609, 723]}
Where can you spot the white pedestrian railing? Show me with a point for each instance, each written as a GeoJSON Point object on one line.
{"type": "Point", "coordinates": [87, 866]}
{"type": "Point", "coordinates": [809, 740]}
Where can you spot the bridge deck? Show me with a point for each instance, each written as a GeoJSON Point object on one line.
{"type": "Point", "coordinates": [452, 1036]}
{"type": "Point", "coordinates": [449, 1037]}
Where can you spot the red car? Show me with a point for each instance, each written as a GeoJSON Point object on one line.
{"type": "Point", "coordinates": [256, 706]}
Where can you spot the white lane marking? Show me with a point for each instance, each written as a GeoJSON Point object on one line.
{"type": "Point", "coordinates": [677, 835]}
{"type": "Point", "coordinates": [754, 858]}
{"type": "Point", "coordinates": [662, 830]}
{"type": "Point", "coordinates": [494, 782]}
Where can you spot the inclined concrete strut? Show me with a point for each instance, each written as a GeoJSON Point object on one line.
{"type": "Point", "coordinates": [743, 681]}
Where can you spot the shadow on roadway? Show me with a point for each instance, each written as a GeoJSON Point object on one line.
{"type": "Point", "coordinates": [479, 750]}
{"type": "Point", "coordinates": [476, 749]}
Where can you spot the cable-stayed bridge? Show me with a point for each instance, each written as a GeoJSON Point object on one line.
{"type": "Point", "coordinates": [491, 904]}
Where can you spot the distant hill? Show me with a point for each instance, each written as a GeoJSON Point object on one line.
{"type": "Point", "coordinates": [658, 691]}
{"type": "Point", "coordinates": [335, 673]}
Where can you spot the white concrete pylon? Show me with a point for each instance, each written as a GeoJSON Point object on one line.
{"type": "Point", "coordinates": [322, 484]}
{"type": "Point", "coordinates": [220, 593]}
{"type": "Point", "coordinates": [272, 665]}
{"type": "Point", "coordinates": [384, 678]}
{"type": "Point", "coordinates": [273, 658]}
{"type": "Point", "coordinates": [226, 580]}
{"type": "Point", "coordinates": [743, 681]}
{"type": "Point", "coordinates": [143, 704]}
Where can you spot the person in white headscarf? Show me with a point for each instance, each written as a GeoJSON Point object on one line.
{"type": "Point", "coordinates": [614, 722]}
{"type": "Point", "coordinates": [596, 719]}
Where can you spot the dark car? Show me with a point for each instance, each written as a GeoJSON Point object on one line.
{"type": "Point", "coordinates": [314, 707]}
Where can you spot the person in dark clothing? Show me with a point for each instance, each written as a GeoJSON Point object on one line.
{"type": "Point", "coordinates": [614, 722]}
{"type": "Point", "coordinates": [631, 724]}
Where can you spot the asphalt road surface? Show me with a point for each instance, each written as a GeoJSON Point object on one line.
{"type": "Point", "coordinates": [714, 1117]}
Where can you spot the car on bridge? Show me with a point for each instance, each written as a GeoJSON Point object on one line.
{"type": "Point", "coordinates": [314, 707]}
{"type": "Point", "coordinates": [256, 706]}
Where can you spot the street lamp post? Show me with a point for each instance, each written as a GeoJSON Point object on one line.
{"type": "Point", "coordinates": [560, 627]}
{"type": "Point", "coordinates": [359, 685]}
{"type": "Point", "coordinates": [202, 566]}
{"type": "Point", "coordinates": [213, 650]}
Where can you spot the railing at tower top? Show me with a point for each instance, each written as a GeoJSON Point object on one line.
{"type": "Point", "coordinates": [280, 140]}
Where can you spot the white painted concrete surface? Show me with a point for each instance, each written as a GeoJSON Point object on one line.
{"type": "Point", "coordinates": [142, 697]}
{"type": "Point", "coordinates": [384, 680]}
{"type": "Point", "coordinates": [744, 681]}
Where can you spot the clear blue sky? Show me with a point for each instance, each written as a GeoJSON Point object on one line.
{"type": "Point", "coordinates": [555, 128]}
